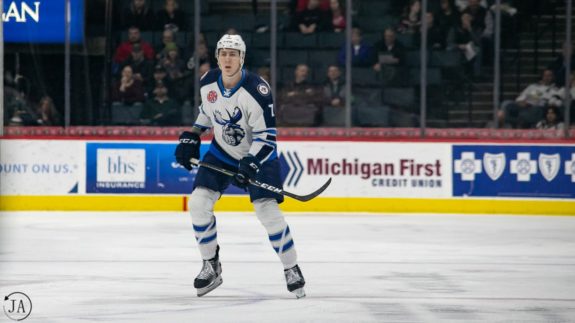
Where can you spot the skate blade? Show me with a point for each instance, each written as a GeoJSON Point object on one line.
{"type": "Point", "coordinates": [299, 293]}
{"type": "Point", "coordinates": [211, 287]}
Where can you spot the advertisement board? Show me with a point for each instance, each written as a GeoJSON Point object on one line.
{"type": "Point", "coordinates": [367, 169]}
{"type": "Point", "coordinates": [42, 21]}
{"type": "Point", "coordinates": [41, 167]}
{"type": "Point", "coordinates": [514, 171]}
{"type": "Point", "coordinates": [138, 168]}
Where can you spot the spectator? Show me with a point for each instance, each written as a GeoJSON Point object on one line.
{"type": "Point", "coordinates": [265, 73]}
{"type": "Point", "coordinates": [160, 76]}
{"type": "Point", "coordinates": [168, 37]}
{"type": "Point", "coordinates": [390, 58]}
{"type": "Point", "coordinates": [362, 53]}
{"type": "Point", "coordinates": [527, 109]}
{"type": "Point", "coordinates": [337, 16]}
{"type": "Point", "coordinates": [160, 110]}
{"type": "Point", "coordinates": [47, 113]}
{"type": "Point", "coordinates": [501, 122]}
{"type": "Point", "coordinates": [301, 5]}
{"type": "Point", "coordinates": [462, 4]}
{"type": "Point", "coordinates": [299, 104]}
{"type": "Point", "coordinates": [138, 14]}
{"type": "Point", "coordinates": [312, 19]}
{"type": "Point", "coordinates": [559, 66]}
{"type": "Point", "coordinates": [205, 56]}
{"type": "Point", "coordinates": [411, 18]}
{"type": "Point", "coordinates": [124, 51]}
{"type": "Point", "coordinates": [172, 62]}
{"type": "Point", "coordinates": [552, 120]}
{"type": "Point", "coordinates": [171, 17]}
{"type": "Point", "coordinates": [561, 94]}
{"type": "Point", "coordinates": [478, 13]}
{"type": "Point", "coordinates": [231, 31]}
{"type": "Point", "coordinates": [435, 38]}
{"type": "Point", "coordinates": [128, 90]}
{"type": "Point", "coordinates": [334, 88]}
{"type": "Point", "coordinates": [141, 67]}
{"type": "Point", "coordinates": [447, 17]}
{"type": "Point", "coordinates": [466, 39]}
{"type": "Point", "coordinates": [17, 110]}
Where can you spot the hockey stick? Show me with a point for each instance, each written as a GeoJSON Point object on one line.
{"type": "Point", "coordinates": [303, 198]}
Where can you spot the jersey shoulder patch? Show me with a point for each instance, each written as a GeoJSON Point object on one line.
{"type": "Point", "coordinates": [210, 77]}
{"type": "Point", "coordinates": [258, 88]}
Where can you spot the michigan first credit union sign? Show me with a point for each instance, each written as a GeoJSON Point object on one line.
{"type": "Point", "coordinates": [42, 21]}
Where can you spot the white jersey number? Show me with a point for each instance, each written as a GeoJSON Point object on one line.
{"type": "Point", "coordinates": [271, 106]}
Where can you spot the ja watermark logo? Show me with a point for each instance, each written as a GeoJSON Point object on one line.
{"type": "Point", "coordinates": [17, 306]}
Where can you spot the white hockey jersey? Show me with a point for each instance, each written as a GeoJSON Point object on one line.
{"type": "Point", "coordinates": [242, 118]}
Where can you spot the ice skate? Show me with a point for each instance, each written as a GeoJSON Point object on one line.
{"type": "Point", "coordinates": [295, 281]}
{"type": "Point", "coordinates": [210, 277]}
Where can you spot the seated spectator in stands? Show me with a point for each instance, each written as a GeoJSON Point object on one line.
{"type": "Point", "coordinates": [47, 113]}
{"type": "Point", "coordinates": [390, 58]}
{"type": "Point", "coordinates": [334, 88]}
{"type": "Point", "coordinates": [561, 96]}
{"type": "Point", "coordinates": [528, 108]}
{"type": "Point", "coordinates": [172, 62]}
{"type": "Point", "coordinates": [206, 57]}
{"type": "Point", "coordinates": [312, 19]}
{"type": "Point", "coordinates": [337, 16]}
{"type": "Point", "coordinates": [160, 110]}
{"type": "Point", "coordinates": [171, 17]}
{"type": "Point", "coordinates": [478, 13]}
{"type": "Point", "coordinates": [435, 38]}
{"type": "Point", "coordinates": [124, 51]}
{"type": "Point", "coordinates": [552, 120]}
{"type": "Point", "coordinates": [168, 37]}
{"type": "Point", "coordinates": [462, 4]}
{"type": "Point", "coordinates": [411, 18]}
{"type": "Point", "coordinates": [447, 17]}
{"type": "Point", "coordinates": [265, 73]}
{"type": "Point", "coordinates": [160, 76]}
{"type": "Point", "coordinates": [467, 39]}
{"type": "Point", "coordinates": [559, 66]}
{"type": "Point", "coordinates": [501, 122]}
{"type": "Point", "coordinates": [128, 90]}
{"type": "Point", "coordinates": [299, 102]}
{"type": "Point", "coordinates": [231, 31]}
{"type": "Point", "coordinates": [138, 14]}
{"type": "Point", "coordinates": [362, 52]}
{"type": "Point", "coordinates": [301, 5]}
{"type": "Point", "coordinates": [141, 67]}
{"type": "Point", "coordinates": [17, 109]}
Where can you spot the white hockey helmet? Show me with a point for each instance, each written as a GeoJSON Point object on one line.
{"type": "Point", "coordinates": [232, 42]}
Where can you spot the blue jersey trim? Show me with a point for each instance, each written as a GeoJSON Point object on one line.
{"type": "Point", "coordinates": [232, 91]}
{"type": "Point", "coordinates": [220, 154]}
{"type": "Point", "coordinates": [210, 77]}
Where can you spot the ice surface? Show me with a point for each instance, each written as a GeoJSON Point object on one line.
{"type": "Point", "coordinates": [140, 267]}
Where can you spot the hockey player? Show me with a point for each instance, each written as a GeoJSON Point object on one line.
{"type": "Point", "coordinates": [238, 105]}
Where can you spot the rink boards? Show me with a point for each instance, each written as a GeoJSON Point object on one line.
{"type": "Point", "coordinates": [386, 176]}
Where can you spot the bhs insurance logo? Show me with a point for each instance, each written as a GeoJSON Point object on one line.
{"type": "Point", "coordinates": [121, 168]}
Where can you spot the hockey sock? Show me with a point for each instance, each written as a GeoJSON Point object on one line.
{"type": "Point", "coordinates": [201, 207]}
{"type": "Point", "coordinates": [269, 214]}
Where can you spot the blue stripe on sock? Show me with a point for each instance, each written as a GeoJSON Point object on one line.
{"type": "Point", "coordinates": [278, 236]}
{"type": "Point", "coordinates": [286, 247]}
{"type": "Point", "coordinates": [208, 226]}
{"type": "Point", "coordinates": [208, 239]}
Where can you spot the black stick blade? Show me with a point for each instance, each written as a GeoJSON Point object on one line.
{"type": "Point", "coordinates": [305, 198]}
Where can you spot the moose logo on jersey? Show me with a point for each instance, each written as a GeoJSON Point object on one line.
{"type": "Point", "coordinates": [231, 132]}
